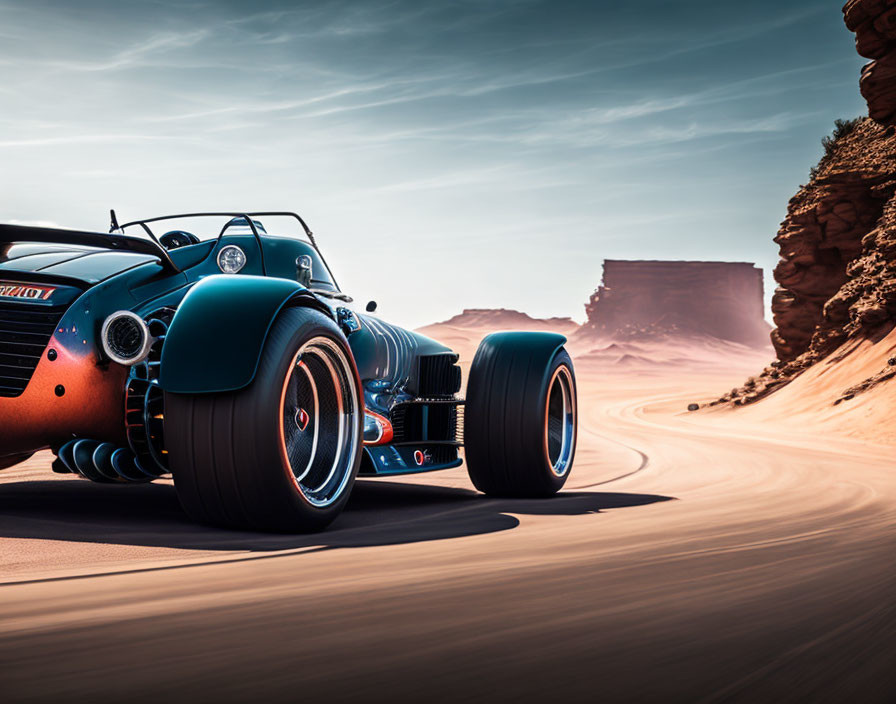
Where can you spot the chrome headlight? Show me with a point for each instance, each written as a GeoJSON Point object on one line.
{"type": "Point", "coordinates": [304, 272]}
{"type": "Point", "coordinates": [126, 338]}
{"type": "Point", "coordinates": [231, 259]}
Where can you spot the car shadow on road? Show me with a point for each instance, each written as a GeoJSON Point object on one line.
{"type": "Point", "coordinates": [378, 513]}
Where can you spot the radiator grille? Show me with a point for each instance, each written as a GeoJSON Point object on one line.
{"type": "Point", "coordinates": [399, 425]}
{"type": "Point", "coordinates": [438, 376]}
{"type": "Point", "coordinates": [25, 331]}
{"type": "Point", "coordinates": [427, 422]}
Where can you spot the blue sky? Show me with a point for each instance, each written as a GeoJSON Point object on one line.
{"type": "Point", "coordinates": [448, 155]}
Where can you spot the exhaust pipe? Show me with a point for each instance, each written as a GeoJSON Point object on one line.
{"type": "Point", "coordinates": [102, 461]}
{"type": "Point", "coordinates": [82, 455]}
{"type": "Point", "coordinates": [125, 465]}
{"type": "Point", "coordinates": [67, 457]}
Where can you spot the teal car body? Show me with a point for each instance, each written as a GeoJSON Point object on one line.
{"type": "Point", "coordinates": [61, 389]}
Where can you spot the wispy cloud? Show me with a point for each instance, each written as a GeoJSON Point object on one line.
{"type": "Point", "coordinates": [475, 124]}
{"type": "Point", "coordinates": [83, 139]}
{"type": "Point", "coordinates": [141, 54]}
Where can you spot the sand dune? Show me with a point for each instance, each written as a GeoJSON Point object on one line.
{"type": "Point", "coordinates": [829, 396]}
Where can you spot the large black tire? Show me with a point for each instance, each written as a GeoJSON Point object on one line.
{"type": "Point", "coordinates": [520, 416]}
{"type": "Point", "coordinates": [237, 458]}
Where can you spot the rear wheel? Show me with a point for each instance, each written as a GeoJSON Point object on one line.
{"type": "Point", "coordinates": [520, 417]}
{"type": "Point", "coordinates": [281, 454]}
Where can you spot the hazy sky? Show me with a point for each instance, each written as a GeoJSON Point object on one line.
{"type": "Point", "coordinates": [448, 155]}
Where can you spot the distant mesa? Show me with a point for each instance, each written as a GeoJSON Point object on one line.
{"type": "Point", "coordinates": [649, 299]}
{"type": "Point", "coordinates": [505, 319]}
{"type": "Point", "coordinates": [464, 331]}
{"type": "Point", "coordinates": [646, 314]}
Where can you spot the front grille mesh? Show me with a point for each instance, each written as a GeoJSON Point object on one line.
{"type": "Point", "coordinates": [443, 422]}
{"type": "Point", "coordinates": [25, 331]}
{"type": "Point", "coordinates": [397, 418]}
{"type": "Point", "coordinates": [439, 376]}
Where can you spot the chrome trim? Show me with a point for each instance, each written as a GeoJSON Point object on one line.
{"type": "Point", "coordinates": [145, 347]}
{"type": "Point", "coordinates": [339, 438]}
{"type": "Point", "coordinates": [304, 270]}
{"type": "Point", "coordinates": [225, 249]}
{"type": "Point", "coordinates": [562, 376]}
{"type": "Point", "coordinates": [341, 375]}
{"type": "Point", "coordinates": [315, 418]}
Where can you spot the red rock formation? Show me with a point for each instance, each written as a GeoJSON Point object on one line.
{"type": "Point", "coordinates": [717, 299]}
{"type": "Point", "coordinates": [837, 274]}
{"type": "Point", "coordinates": [830, 244]}
{"type": "Point", "coordinates": [874, 22]}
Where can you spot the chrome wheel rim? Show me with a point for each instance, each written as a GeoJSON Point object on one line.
{"type": "Point", "coordinates": [560, 421]}
{"type": "Point", "coordinates": [318, 421]}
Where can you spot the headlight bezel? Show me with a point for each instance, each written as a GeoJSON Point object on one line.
{"type": "Point", "coordinates": [116, 355]}
{"type": "Point", "coordinates": [229, 268]}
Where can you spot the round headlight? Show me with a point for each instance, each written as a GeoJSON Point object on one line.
{"type": "Point", "coordinates": [126, 338]}
{"type": "Point", "coordinates": [231, 259]}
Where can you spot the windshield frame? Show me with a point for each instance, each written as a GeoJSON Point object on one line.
{"type": "Point", "coordinates": [247, 216]}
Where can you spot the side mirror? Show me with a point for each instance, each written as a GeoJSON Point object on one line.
{"type": "Point", "coordinates": [303, 270]}
{"type": "Point", "coordinates": [371, 307]}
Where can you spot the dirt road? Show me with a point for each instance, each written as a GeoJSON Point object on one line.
{"type": "Point", "coordinates": [690, 559]}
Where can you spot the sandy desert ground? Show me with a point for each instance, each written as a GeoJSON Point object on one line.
{"type": "Point", "coordinates": [692, 557]}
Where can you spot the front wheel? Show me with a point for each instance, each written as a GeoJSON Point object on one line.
{"type": "Point", "coordinates": [520, 416]}
{"type": "Point", "coordinates": [281, 454]}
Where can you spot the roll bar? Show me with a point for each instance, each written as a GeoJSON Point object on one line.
{"type": "Point", "coordinates": [144, 224]}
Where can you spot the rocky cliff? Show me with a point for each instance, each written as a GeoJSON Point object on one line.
{"type": "Point", "coordinates": [837, 274]}
{"type": "Point", "coordinates": [838, 246]}
{"type": "Point", "coordinates": [638, 299]}
{"type": "Point", "coordinates": [874, 23]}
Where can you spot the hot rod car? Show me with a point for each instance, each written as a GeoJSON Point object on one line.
{"type": "Point", "coordinates": [230, 358]}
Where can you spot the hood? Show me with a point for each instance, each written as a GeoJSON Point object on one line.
{"type": "Point", "coordinates": [86, 264]}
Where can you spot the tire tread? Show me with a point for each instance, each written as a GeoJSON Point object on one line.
{"type": "Point", "coordinates": [504, 417]}
{"type": "Point", "coordinates": [224, 447]}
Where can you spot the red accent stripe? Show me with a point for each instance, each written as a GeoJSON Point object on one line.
{"type": "Point", "coordinates": [388, 433]}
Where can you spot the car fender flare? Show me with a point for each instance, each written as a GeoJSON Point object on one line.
{"type": "Point", "coordinates": [216, 337]}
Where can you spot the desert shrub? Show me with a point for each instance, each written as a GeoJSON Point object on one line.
{"type": "Point", "coordinates": [842, 128]}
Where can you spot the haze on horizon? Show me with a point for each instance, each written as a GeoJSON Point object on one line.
{"type": "Point", "coordinates": [472, 154]}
